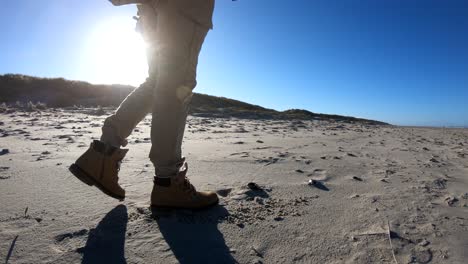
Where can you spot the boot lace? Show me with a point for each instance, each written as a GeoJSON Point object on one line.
{"type": "Point", "coordinates": [118, 164]}
{"type": "Point", "coordinates": [188, 187]}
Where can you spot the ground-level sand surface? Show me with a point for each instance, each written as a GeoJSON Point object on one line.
{"type": "Point", "coordinates": [377, 194]}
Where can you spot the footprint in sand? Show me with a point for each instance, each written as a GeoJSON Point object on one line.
{"type": "Point", "coordinates": [4, 152]}
{"type": "Point", "coordinates": [319, 175]}
{"type": "Point", "coordinates": [243, 154]}
{"type": "Point", "coordinates": [267, 161]}
{"type": "Point", "coordinates": [5, 177]}
{"type": "Point", "coordinates": [330, 157]}
{"type": "Point", "coordinates": [69, 235]}
{"type": "Point", "coordinates": [224, 192]}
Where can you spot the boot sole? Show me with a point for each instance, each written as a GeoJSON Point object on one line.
{"type": "Point", "coordinates": [85, 178]}
{"type": "Point", "coordinates": [166, 207]}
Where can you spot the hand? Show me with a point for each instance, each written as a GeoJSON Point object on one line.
{"type": "Point", "coordinates": [126, 2]}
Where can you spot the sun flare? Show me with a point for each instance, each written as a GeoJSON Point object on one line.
{"type": "Point", "coordinates": [116, 53]}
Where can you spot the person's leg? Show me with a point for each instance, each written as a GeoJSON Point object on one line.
{"type": "Point", "coordinates": [138, 104]}
{"type": "Point", "coordinates": [131, 111]}
{"type": "Point", "coordinates": [179, 43]}
{"type": "Point", "coordinates": [100, 164]}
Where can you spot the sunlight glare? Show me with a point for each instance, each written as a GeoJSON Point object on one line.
{"type": "Point", "coordinates": [116, 53]}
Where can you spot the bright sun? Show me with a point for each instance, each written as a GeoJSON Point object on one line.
{"type": "Point", "coordinates": [116, 53]}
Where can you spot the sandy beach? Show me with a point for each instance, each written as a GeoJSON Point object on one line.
{"type": "Point", "coordinates": [291, 192]}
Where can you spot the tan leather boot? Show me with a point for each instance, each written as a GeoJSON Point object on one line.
{"type": "Point", "coordinates": [178, 192]}
{"type": "Point", "coordinates": [99, 166]}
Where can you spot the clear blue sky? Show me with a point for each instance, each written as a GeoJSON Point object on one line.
{"type": "Point", "coordinates": [400, 61]}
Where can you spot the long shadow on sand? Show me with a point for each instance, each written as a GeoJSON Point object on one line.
{"type": "Point", "coordinates": [194, 237]}
{"type": "Point", "coordinates": [106, 242]}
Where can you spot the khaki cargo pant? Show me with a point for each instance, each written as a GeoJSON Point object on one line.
{"type": "Point", "coordinates": [174, 45]}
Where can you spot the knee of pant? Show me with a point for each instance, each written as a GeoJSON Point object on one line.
{"type": "Point", "coordinates": [181, 94]}
{"type": "Point", "coordinates": [184, 94]}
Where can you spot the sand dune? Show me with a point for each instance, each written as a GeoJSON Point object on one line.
{"type": "Point", "coordinates": [291, 192]}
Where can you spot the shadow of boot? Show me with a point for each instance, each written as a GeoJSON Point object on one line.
{"type": "Point", "coordinates": [106, 242]}
{"type": "Point", "coordinates": [194, 236]}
